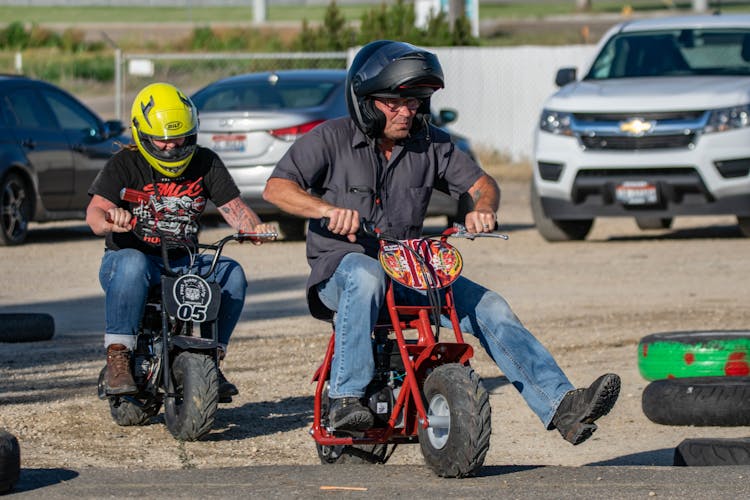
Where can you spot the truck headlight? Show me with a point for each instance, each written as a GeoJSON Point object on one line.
{"type": "Point", "coordinates": [721, 120]}
{"type": "Point", "coordinates": [556, 122]}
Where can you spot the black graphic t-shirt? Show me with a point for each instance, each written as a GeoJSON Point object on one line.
{"type": "Point", "coordinates": [178, 202]}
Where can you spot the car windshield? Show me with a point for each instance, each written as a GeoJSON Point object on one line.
{"type": "Point", "coordinates": [680, 52]}
{"type": "Point", "coordinates": [264, 95]}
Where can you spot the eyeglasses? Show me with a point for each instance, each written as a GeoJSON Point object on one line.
{"type": "Point", "coordinates": [394, 104]}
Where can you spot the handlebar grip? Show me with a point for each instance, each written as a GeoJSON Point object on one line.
{"type": "Point", "coordinates": [366, 228]}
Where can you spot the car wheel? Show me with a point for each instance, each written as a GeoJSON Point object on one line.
{"type": "Point", "coordinates": [653, 222]}
{"type": "Point", "coordinates": [15, 210]}
{"type": "Point", "coordinates": [744, 224]}
{"type": "Point", "coordinates": [557, 230]}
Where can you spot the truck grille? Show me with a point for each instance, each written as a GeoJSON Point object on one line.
{"type": "Point", "coordinates": [626, 143]}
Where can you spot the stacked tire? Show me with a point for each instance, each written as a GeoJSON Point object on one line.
{"type": "Point", "coordinates": [10, 461]}
{"type": "Point", "coordinates": [699, 378]}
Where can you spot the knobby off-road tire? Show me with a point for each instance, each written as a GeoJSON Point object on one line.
{"type": "Point", "coordinates": [458, 408]}
{"type": "Point", "coordinates": [713, 451]}
{"type": "Point", "coordinates": [15, 210]}
{"type": "Point", "coordinates": [557, 230]}
{"type": "Point", "coordinates": [354, 454]}
{"type": "Point", "coordinates": [10, 461]}
{"type": "Point", "coordinates": [694, 354]}
{"type": "Point", "coordinates": [128, 410]}
{"type": "Point", "coordinates": [26, 327]}
{"type": "Point", "coordinates": [190, 415]}
{"type": "Point", "coordinates": [699, 401]}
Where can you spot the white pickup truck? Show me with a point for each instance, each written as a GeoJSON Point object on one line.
{"type": "Point", "coordinates": [658, 127]}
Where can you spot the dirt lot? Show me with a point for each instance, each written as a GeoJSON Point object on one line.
{"type": "Point", "coordinates": [589, 302]}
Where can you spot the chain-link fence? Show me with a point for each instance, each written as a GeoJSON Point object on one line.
{"type": "Point", "coordinates": [192, 71]}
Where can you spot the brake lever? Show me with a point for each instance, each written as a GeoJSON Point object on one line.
{"type": "Point", "coordinates": [462, 232]}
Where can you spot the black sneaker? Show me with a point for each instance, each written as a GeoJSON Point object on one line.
{"type": "Point", "coordinates": [226, 388]}
{"type": "Point", "coordinates": [348, 414]}
{"type": "Point", "coordinates": [580, 408]}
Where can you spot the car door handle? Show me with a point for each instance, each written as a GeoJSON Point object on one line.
{"type": "Point", "coordinates": [28, 143]}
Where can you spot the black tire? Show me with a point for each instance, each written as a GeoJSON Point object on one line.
{"type": "Point", "coordinates": [694, 354]}
{"type": "Point", "coordinates": [554, 230]}
{"type": "Point", "coordinates": [190, 415]}
{"type": "Point", "coordinates": [10, 461]}
{"type": "Point", "coordinates": [351, 455]}
{"type": "Point", "coordinates": [26, 327]}
{"type": "Point", "coordinates": [653, 222]}
{"type": "Point", "coordinates": [699, 401]}
{"type": "Point", "coordinates": [15, 210]}
{"type": "Point", "coordinates": [712, 451]}
{"type": "Point", "coordinates": [456, 445]}
{"type": "Point", "coordinates": [128, 410]}
{"type": "Point", "coordinates": [744, 225]}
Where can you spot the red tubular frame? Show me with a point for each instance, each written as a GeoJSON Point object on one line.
{"type": "Point", "coordinates": [417, 356]}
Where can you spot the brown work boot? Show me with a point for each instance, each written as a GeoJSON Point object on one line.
{"type": "Point", "coordinates": [119, 379]}
{"type": "Point", "coordinates": [226, 388]}
{"type": "Point", "coordinates": [579, 408]}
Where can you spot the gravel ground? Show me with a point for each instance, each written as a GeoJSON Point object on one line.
{"type": "Point", "coordinates": [588, 302]}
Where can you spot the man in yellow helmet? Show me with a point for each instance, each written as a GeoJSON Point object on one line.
{"type": "Point", "coordinates": [165, 162]}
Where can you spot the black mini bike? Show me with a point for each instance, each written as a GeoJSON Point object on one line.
{"type": "Point", "coordinates": [175, 358]}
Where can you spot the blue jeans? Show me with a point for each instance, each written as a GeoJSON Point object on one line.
{"type": "Point", "coordinates": [127, 274]}
{"type": "Point", "coordinates": [359, 284]}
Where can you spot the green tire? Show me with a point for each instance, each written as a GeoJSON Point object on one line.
{"type": "Point", "coordinates": [694, 354]}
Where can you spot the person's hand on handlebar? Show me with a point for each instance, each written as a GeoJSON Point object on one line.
{"type": "Point", "coordinates": [481, 221]}
{"type": "Point", "coordinates": [343, 221]}
{"type": "Point", "coordinates": [121, 220]}
{"type": "Point", "coordinates": [267, 230]}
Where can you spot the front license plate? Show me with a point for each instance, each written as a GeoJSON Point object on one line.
{"type": "Point", "coordinates": [636, 193]}
{"type": "Point", "coordinates": [228, 143]}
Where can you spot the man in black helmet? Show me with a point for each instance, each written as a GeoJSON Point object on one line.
{"type": "Point", "coordinates": [381, 164]}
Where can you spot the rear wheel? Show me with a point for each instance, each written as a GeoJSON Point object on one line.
{"type": "Point", "coordinates": [350, 454]}
{"type": "Point", "coordinates": [458, 410]}
{"type": "Point", "coordinates": [554, 229]}
{"type": "Point", "coordinates": [128, 410]}
{"type": "Point", "coordinates": [15, 210]}
{"type": "Point", "coordinates": [190, 414]}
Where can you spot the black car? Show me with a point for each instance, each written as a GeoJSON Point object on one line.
{"type": "Point", "coordinates": [51, 148]}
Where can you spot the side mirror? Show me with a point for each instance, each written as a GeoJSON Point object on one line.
{"type": "Point", "coordinates": [447, 115]}
{"type": "Point", "coordinates": [113, 128]}
{"type": "Point", "coordinates": [565, 76]}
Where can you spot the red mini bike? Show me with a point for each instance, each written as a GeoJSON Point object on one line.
{"type": "Point", "coordinates": [424, 389]}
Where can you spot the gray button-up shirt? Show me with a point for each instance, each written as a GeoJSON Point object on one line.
{"type": "Point", "coordinates": [337, 162]}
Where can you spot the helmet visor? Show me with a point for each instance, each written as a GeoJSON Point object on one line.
{"type": "Point", "coordinates": [169, 153]}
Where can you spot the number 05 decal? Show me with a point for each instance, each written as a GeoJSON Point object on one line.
{"type": "Point", "coordinates": [187, 312]}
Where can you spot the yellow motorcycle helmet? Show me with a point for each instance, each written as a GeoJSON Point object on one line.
{"type": "Point", "coordinates": [162, 112]}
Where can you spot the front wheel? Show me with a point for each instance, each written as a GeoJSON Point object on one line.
{"type": "Point", "coordinates": [458, 409]}
{"type": "Point", "coordinates": [554, 229]}
{"type": "Point", "coordinates": [190, 414]}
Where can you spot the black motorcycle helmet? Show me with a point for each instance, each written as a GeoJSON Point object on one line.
{"type": "Point", "coordinates": [385, 68]}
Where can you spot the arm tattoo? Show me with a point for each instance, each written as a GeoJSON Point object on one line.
{"type": "Point", "coordinates": [239, 215]}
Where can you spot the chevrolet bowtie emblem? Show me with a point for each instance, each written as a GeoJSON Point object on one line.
{"type": "Point", "coordinates": [636, 126]}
